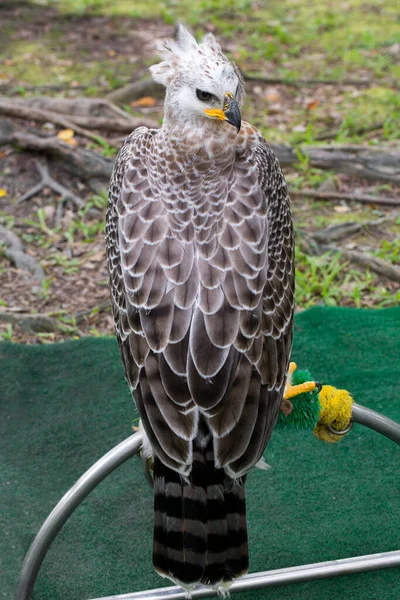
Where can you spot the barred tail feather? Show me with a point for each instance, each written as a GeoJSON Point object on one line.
{"type": "Point", "coordinates": [199, 522]}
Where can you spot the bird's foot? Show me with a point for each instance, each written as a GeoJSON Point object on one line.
{"type": "Point", "coordinates": [291, 391]}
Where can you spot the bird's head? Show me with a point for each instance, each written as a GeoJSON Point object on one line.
{"type": "Point", "coordinates": [202, 85]}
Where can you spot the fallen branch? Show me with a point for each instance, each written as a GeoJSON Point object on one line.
{"type": "Point", "coordinates": [14, 251]}
{"type": "Point", "coordinates": [136, 90]}
{"type": "Point", "coordinates": [310, 245]}
{"type": "Point", "coordinates": [77, 107]}
{"type": "Point", "coordinates": [17, 110]}
{"type": "Point", "coordinates": [31, 323]}
{"type": "Point", "coordinates": [47, 323]}
{"type": "Point", "coordinates": [377, 265]}
{"type": "Point", "coordinates": [257, 78]}
{"type": "Point", "coordinates": [340, 231]}
{"type": "Point", "coordinates": [83, 163]}
{"type": "Point", "coordinates": [92, 113]}
{"type": "Point", "coordinates": [332, 133]}
{"type": "Point", "coordinates": [365, 199]}
{"type": "Point", "coordinates": [5, 87]}
{"type": "Point", "coordinates": [361, 162]}
{"type": "Point", "coordinates": [80, 316]}
{"type": "Point", "coordinates": [111, 125]}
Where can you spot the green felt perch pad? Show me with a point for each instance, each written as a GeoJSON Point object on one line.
{"type": "Point", "coordinates": [63, 406]}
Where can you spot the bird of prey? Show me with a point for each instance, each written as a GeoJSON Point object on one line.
{"type": "Point", "coordinates": [201, 264]}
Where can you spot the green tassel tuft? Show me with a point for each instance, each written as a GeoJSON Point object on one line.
{"type": "Point", "coordinates": [306, 407]}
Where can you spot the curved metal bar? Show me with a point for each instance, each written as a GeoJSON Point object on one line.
{"type": "Point", "coordinates": [68, 503]}
{"type": "Point", "coordinates": [125, 450]}
{"type": "Point", "coordinates": [267, 579]}
{"type": "Point", "coordinates": [374, 420]}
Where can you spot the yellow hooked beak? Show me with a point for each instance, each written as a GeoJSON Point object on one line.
{"type": "Point", "coordinates": [230, 112]}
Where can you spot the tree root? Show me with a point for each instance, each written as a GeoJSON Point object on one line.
{"type": "Point", "coordinates": [48, 181]}
{"type": "Point", "coordinates": [14, 251]}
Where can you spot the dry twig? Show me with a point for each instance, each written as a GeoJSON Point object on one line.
{"type": "Point", "coordinates": [365, 199]}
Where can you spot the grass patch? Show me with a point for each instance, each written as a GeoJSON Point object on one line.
{"type": "Point", "coordinates": [329, 280]}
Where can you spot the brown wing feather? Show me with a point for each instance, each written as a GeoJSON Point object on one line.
{"type": "Point", "coordinates": [202, 285]}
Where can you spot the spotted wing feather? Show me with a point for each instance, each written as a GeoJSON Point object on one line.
{"type": "Point", "coordinates": [203, 295]}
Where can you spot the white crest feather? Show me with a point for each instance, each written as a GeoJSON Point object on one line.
{"type": "Point", "coordinates": [185, 39]}
{"type": "Point", "coordinates": [210, 42]}
{"type": "Point", "coordinates": [182, 53]}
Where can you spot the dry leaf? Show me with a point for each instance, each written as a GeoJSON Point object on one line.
{"type": "Point", "coordinates": [144, 102]}
{"type": "Point", "coordinates": [313, 104]}
{"type": "Point", "coordinates": [342, 208]}
{"type": "Point", "coordinates": [67, 135]}
{"type": "Point", "coordinates": [3, 192]}
{"type": "Point", "coordinates": [111, 53]}
{"type": "Point", "coordinates": [272, 95]}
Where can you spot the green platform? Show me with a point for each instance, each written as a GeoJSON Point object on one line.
{"type": "Point", "coordinates": [65, 405]}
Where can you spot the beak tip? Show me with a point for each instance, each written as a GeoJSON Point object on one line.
{"type": "Point", "coordinates": [232, 113]}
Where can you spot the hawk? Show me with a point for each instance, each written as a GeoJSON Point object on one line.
{"type": "Point", "coordinates": [201, 266]}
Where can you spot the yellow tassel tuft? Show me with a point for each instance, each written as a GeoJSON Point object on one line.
{"type": "Point", "coordinates": [335, 412]}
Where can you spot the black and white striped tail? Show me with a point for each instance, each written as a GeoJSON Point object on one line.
{"type": "Point", "coordinates": [200, 531]}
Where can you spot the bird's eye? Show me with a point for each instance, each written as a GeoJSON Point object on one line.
{"type": "Point", "coordinates": [203, 96]}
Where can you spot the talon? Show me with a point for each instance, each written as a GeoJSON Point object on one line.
{"type": "Point", "coordinates": [294, 390]}
{"type": "Point", "coordinates": [292, 368]}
